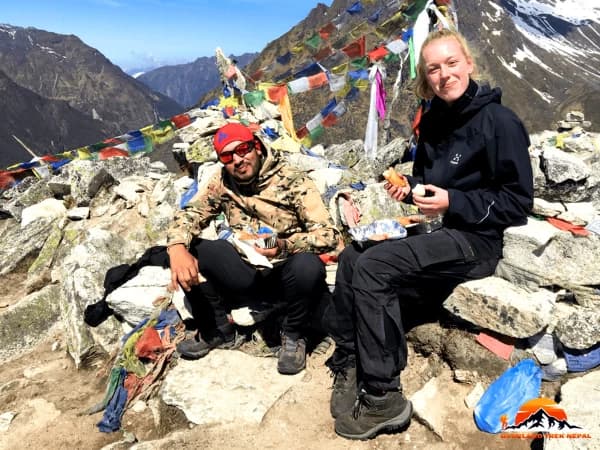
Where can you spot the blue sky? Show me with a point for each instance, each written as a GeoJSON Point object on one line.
{"type": "Point", "coordinates": [137, 34]}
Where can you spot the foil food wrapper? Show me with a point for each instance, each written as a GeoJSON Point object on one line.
{"type": "Point", "coordinates": [378, 230]}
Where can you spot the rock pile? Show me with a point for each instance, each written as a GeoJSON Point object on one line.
{"type": "Point", "coordinates": [64, 232]}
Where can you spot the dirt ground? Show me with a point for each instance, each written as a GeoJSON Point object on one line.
{"type": "Point", "coordinates": [48, 395]}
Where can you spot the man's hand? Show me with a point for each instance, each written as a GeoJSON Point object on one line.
{"type": "Point", "coordinates": [434, 203]}
{"type": "Point", "coordinates": [184, 268]}
{"type": "Point", "coordinates": [271, 253]}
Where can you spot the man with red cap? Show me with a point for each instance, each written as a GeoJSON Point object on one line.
{"type": "Point", "coordinates": [253, 190]}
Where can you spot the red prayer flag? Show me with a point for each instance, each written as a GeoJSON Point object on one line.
{"type": "Point", "coordinates": [378, 53]}
{"type": "Point", "coordinates": [181, 120]}
{"type": "Point", "coordinates": [111, 152]}
{"type": "Point", "coordinates": [329, 120]}
{"type": "Point", "coordinates": [276, 93]}
{"type": "Point", "coordinates": [326, 31]}
{"type": "Point", "coordinates": [568, 226]}
{"type": "Point", "coordinates": [323, 53]}
{"type": "Point", "coordinates": [318, 80]}
{"type": "Point", "coordinates": [112, 141]}
{"type": "Point", "coordinates": [355, 48]}
{"type": "Point", "coordinates": [49, 158]}
{"type": "Point", "coordinates": [302, 132]}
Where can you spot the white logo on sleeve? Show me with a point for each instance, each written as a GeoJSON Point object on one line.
{"type": "Point", "coordinates": [456, 158]}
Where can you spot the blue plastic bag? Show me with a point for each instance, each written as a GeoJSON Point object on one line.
{"type": "Point", "coordinates": [505, 395]}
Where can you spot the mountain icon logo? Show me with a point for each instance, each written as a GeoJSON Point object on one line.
{"type": "Point", "coordinates": [539, 415]}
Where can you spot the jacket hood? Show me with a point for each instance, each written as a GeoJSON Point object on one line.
{"type": "Point", "coordinates": [474, 98]}
{"type": "Point", "coordinates": [271, 162]}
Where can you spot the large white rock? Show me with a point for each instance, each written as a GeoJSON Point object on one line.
{"type": "Point", "coordinates": [501, 306]}
{"type": "Point", "coordinates": [551, 255]}
{"type": "Point", "coordinates": [562, 166]}
{"type": "Point", "coordinates": [50, 208]}
{"type": "Point", "coordinates": [580, 398]}
{"type": "Point", "coordinates": [133, 300]}
{"type": "Point", "coordinates": [226, 386]}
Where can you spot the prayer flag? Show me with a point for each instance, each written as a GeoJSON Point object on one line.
{"type": "Point", "coordinates": [378, 53]}
{"type": "Point", "coordinates": [356, 8]}
{"type": "Point", "coordinates": [284, 59]}
{"type": "Point", "coordinates": [355, 48]}
{"type": "Point", "coordinates": [326, 31]}
{"type": "Point", "coordinates": [314, 41]}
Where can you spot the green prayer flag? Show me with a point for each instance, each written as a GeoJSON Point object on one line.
{"type": "Point", "coordinates": [254, 98]}
{"type": "Point", "coordinates": [360, 63]}
{"type": "Point", "coordinates": [98, 146]}
{"type": "Point", "coordinates": [314, 42]}
{"type": "Point", "coordinates": [391, 58]}
{"type": "Point", "coordinates": [316, 132]}
{"type": "Point", "coordinates": [415, 9]}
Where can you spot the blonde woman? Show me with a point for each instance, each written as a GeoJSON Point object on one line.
{"type": "Point", "coordinates": [472, 159]}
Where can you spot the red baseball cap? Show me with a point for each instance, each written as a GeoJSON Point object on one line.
{"type": "Point", "coordinates": [231, 132]}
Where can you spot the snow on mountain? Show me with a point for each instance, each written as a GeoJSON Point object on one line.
{"type": "Point", "coordinates": [566, 28]}
{"type": "Point", "coordinates": [544, 54]}
{"type": "Point", "coordinates": [576, 12]}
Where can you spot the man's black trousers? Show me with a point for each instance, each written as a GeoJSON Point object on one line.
{"type": "Point", "coordinates": [298, 282]}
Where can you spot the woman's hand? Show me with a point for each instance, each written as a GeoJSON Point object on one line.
{"type": "Point", "coordinates": [397, 192]}
{"type": "Point", "coordinates": [184, 268]}
{"type": "Point", "coordinates": [434, 203]}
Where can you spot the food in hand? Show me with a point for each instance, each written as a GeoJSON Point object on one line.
{"type": "Point", "coordinates": [410, 220]}
{"type": "Point", "coordinates": [419, 190]}
{"type": "Point", "coordinates": [392, 176]}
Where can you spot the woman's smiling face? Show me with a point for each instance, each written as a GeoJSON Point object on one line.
{"type": "Point", "coordinates": [447, 68]}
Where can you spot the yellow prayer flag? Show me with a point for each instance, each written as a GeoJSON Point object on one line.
{"type": "Point", "coordinates": [360, 29]}
{"type": "Point", "coordinates": [228, 101]}
{"type": "Point", "coordinates": [341, 69]}
{"type": "Point", "coordinates": [362, 85]}
{"type": "Point", "coordinates": [344, 91]}
{"type": "Point", "coordinates": [307, 141]}
{"type": "Point", "coordinates": [83, 153]}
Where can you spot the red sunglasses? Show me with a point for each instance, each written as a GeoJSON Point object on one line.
{"type": "Point", "coordinates": [241, 150]}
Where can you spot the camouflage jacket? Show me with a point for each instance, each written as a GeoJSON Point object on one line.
{"type": "Point", "coordinates": [283, 199]}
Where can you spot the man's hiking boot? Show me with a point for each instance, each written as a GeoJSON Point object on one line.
{"type": "Point", "coordinates": [344, 391]}
{"type": "Point", "coordinates": [292, 356]}
{"type": "Point", "coordinates": [372, 415]}
{"type": "Point", "coordinates": [194, 347]}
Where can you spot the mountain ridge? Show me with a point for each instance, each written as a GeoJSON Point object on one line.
{"type": "Point", "coordinates": [187, 83]}
{"type": "Point", "coordinates": [62, 68]}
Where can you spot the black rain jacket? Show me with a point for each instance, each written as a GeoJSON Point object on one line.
{"type": "Point", "coordinates": [477, 149]}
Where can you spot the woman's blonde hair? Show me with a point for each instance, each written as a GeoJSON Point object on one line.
{"type": "Point", "coordinates": [422, 88]}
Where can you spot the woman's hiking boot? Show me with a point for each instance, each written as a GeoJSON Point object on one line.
{"type": "Point", "coordinates": [373, 414]}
